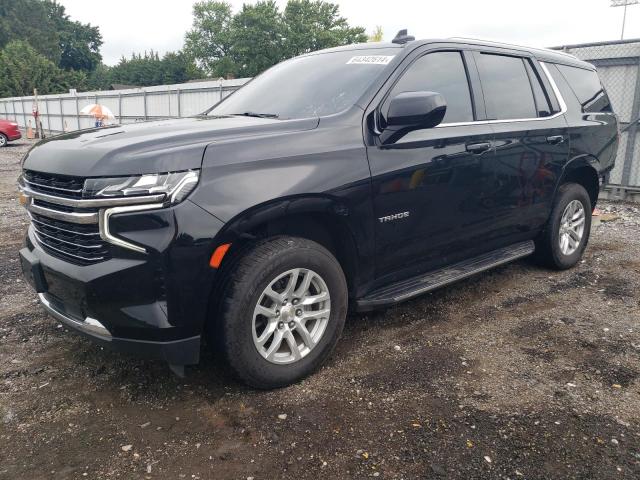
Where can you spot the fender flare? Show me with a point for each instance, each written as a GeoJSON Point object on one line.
{"type": "Point", "coordinates": [579, 161]}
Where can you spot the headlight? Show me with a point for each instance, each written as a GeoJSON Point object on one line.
{"type": "Point", "coordinates": [175, 185]}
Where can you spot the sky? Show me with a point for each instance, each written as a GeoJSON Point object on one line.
{"type": "Point", "coordinates": [129, 26]}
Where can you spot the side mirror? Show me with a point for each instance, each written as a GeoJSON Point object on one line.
{"type": "Point", "coordinates": [416, 109]}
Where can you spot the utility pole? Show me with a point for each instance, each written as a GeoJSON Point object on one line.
{"type": "Point", "coordinates": [625, 4]}
{"type": "Point", "coordinates": [36, 115]}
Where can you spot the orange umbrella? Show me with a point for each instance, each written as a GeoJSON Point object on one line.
{"type": "Point", "coordinates": [98, 111]}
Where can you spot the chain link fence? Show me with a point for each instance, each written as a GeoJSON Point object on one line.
{"type": "Point", "coordinates": [618, 63]}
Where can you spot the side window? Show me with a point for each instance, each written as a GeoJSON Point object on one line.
{"type": "Point", "coordinates": [587, 88]}
{"type": "Point", "coordinates": [506, 87]}
{"type": "Point", "coordinates": [444, 73]}
{"type": "Point", "coordinates": [541, 98]}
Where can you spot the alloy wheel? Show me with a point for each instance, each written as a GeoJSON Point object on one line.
{"type": "Point", "coordinates": [571, 227]}
{"type": "Point", "coordinates": [291, 316]}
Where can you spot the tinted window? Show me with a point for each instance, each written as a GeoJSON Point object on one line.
{"type": "Point", "coordinates": [506, 87]}
{"type": "Point", "coordinates": [542, 100]}
{"type": "Point", "coordinates": [444, 73]}
{"type": "Point", "coordinates": [309, 86]}
{"type": "Point", "coordinates": [587, 87]}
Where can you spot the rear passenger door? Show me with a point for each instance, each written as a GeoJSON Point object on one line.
{"type": "Point", "coordinates": [531, 141]}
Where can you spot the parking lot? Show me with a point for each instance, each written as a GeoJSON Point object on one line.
{"type": "Point", "coordinates": [520, 372]}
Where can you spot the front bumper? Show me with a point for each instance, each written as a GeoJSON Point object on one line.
{"type": "Point", "coordinates": [152, 304]}
{"type": "Point", "coordinates": [14, 136]}
{"type": "Point", "coordinates": [178, 352]}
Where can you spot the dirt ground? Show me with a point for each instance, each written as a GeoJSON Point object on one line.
{"type": "Point", "coordinates": [517, 373]}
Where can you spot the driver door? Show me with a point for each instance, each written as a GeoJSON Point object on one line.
{"type": "Point", "coordinates": [428, 185]}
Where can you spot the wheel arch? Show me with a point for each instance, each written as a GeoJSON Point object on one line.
{"type": "Point", "coordinates": [583, 170]}
{"type": "Point", "coordinates": [319, 217]}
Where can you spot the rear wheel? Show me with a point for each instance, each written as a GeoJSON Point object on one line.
{"type": "Point", "coordinates": [3, 140]}
{"type": "Point", "coordinates": [562, 243]}
{"type": "Point", "coordinates": [283, 310]}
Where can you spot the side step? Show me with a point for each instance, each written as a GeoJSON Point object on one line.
{"type": "Point", "coordinates": [415, 286]}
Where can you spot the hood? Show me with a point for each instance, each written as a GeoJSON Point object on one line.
{"type": "Point", "coordinates": [148, 147]}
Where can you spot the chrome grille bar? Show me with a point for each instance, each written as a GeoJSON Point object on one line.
{"type": "Point", "coordinates": [78, 245]}
{"type": "Point", "coordinates": [63, 252]}
{"type": "Point", "coordinates": [91, 203]}
{"type": "Point", "coordinates": [73, 217]}
{"type": "Point", "coordinates": [91, 234]}
{"type": "Point", "coordinates": [41, 185]}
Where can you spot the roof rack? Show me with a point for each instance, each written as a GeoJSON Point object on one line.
{"type": "Point", "coordinates": [504, 44]}
{"type": "Point", "coordinates": [402, 37]}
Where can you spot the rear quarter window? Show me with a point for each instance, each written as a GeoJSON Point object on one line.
{"type": "Point", "coordinates": [587, 88]}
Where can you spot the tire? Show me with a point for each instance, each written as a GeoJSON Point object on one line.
{"type": "Point", "coordinates": [238, 330]}
{"type": "Point", "coordinates": [549, 247]}
{"type": "Point", "coordinates": [3, 140]}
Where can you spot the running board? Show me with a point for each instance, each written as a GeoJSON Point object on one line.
{"type": "Point", "coordinates": [415, 286]}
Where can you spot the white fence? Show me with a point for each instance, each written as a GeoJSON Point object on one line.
{"type": "Point", "coordinates": [62, 112]}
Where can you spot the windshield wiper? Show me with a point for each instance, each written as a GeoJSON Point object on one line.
{"type": "Point", "coordinates": [258, 115]}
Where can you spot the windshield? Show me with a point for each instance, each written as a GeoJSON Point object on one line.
{"type": "Point", "coordinates": [309, 86]}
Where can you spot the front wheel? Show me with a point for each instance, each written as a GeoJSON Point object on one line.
{"type": "Point", "coordinates": [283, 310]}
{"type": "Point", "coordinates": [3, 140]}
{"type": "Point", "coordinates": [562, 243]}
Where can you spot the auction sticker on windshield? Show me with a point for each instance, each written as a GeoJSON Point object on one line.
{"type": "Point", "coordinates": [370, 59]}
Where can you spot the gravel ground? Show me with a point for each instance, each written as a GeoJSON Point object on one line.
{"type": "Point", "coordinates": [517, 373]}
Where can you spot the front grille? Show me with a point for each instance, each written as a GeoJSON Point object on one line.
{"type": "Point", "coordinates": [74, 242]}
{"type": "Point", "coordinates": [58, 185]}
{"type": "Point", "coordinates": [79, 243]}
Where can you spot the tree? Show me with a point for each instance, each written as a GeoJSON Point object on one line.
{"type": "Point", "coordinates": [100, 78]}
{"type": "Point", "coordinates": [209, 41]}
{"type": "Point", "coordinates": [45, 25]}
{"type": "Point", "coordinates": [24, 69]}
{"type": "Point", "coordinates": [260, 36]}
{"type": "Point", "coordinates": [147, 69]}
{"type": "Point", "coordinates": [79, 43]}
{"type": "Point", "coordinates": [316, 24]}
{"type": "Point", "coordinates": [377, 35]}
{"type": "Point", "coordinates": [29, 21]}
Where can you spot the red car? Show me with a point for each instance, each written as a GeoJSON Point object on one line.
{"type": "Point", "coordinates": [8, 132]}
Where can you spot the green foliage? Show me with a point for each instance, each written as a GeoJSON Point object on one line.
{"type": "Point", "coordinates": [49, 30]}
{"type": "Point", "coordinates": [40, 46]}
{"type": "Point", "coordinates": [259, 36]}
{"type": "Point", "coordinates": [29, 21]}
{"type": "Point", "coordinates": [210, 40]}
{"type": "Point", "coordinates": [24, 69]}
{"type": "Point", "coordinates": [79, 44]}
{"type": "Point", "coordinates": [377, 35]}
{"type": "Point", "coordinates": [314, 24]}
{"type": "Point", "coordinates": [145, 70]}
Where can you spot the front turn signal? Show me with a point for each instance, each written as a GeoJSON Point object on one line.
{"type": "Point", "coordinates": [218, 255]}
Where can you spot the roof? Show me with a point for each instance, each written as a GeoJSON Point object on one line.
{"type": "Point", "coordinates": [543, 54]}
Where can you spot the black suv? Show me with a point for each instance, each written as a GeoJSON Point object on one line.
{"type": "Point", "coordinates": [346, 179]}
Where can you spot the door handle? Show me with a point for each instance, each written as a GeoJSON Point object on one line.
{"type": "Point", "coordinates": [478, 147]}
{"type": "Point", "coordinates": [555, 139]}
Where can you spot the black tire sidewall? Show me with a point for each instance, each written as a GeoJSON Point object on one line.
{"type": "Point", "coordinates": [567, 194]}
{"type": "Point", "coordinates": [241, 352]}
{"type": "Point", "coordinates": [6, 140]}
